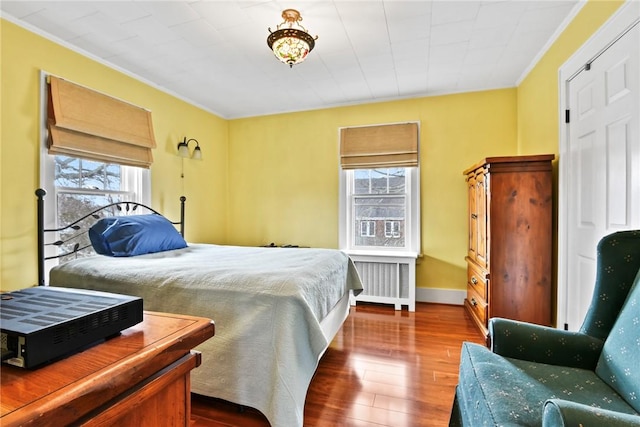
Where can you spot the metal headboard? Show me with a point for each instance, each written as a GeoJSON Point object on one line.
{"type": "Point", "coordinates": [127, 207]}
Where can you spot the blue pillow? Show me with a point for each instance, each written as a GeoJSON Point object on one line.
{"type": "Point", "coordinates": [131, 235]}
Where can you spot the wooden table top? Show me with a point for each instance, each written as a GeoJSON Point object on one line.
{"type": "Point", "coordinates": [101, 372]}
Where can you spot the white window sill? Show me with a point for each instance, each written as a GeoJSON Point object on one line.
{"type": "Point", "coordinates": [382, 254]}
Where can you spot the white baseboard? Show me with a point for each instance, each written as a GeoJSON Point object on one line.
{"type": "Point", "coordinates": [441, 296]}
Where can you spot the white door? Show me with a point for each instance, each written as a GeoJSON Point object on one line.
{"type": "Point", "coordinates": [601, 164]}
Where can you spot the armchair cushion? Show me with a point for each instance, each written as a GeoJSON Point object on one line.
{"type": "Point", "coordinates": [497, 391]}
{"type": "Point", "coordinates": [559, 413]}
{"type": "Point", "coordinates": [535, 343]}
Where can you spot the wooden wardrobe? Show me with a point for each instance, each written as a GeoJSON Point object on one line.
{"type": "Point", "coordinates": [510, 249]}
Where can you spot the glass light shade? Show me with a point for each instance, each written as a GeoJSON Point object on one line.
{"type": "Point", "coordinates": [197, 153]}
{"type": "Point", "coordinates": [291, 43]}
{"type": "Point", "coordinates": [290, 49]}
{"type": "Point", "coordinates": [183, 149]}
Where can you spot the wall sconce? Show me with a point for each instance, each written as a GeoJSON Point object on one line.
{"type": "Point", "coordinates": [183, 149]}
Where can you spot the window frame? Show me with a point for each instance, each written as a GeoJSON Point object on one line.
{"type": "Point", "coordinates": [412, 224]}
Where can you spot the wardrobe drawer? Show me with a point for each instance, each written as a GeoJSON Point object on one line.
{"type": "Point", "coordinates": [476, 280]}
{"type": "Point", "coordinates": [478, 306]}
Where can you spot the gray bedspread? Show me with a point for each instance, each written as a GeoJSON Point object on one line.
{"type": "Point", "coordinates": [267, 304]}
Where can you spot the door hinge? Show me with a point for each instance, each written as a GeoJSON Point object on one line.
{"type": "Point", "coordinates": [566, 116]}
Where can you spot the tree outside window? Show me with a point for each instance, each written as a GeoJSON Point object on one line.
{"type": "Point", "coordinates": [83, 186]}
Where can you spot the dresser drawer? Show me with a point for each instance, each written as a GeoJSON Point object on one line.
{"type": "Point", "coordinates": [477, 305]}
{"type": "Point", "coordinates": [476, 280]}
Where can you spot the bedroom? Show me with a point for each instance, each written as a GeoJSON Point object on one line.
{"type": "Point", "coordinates": [228, 188]}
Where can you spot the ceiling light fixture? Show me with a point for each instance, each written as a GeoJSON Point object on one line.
{"type": "Point", "coordinates": [291, 43]}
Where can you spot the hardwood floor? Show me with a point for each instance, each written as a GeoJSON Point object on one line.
{"type": "Point", "coordinates": [384, 368]}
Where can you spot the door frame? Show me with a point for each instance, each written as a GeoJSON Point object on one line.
{"type": "Point", "coordinates": [620, 22]}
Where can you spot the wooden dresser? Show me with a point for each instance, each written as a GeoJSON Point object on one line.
{"type": "Point", "coordinates": [139, 378]}
{"type": "Point", "coordinates": [510, 248]}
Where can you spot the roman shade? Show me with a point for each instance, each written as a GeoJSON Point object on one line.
{"type": "Point", "coordinates": [88, 124]}
{"type": "Point", "coordinates": [383, 146]}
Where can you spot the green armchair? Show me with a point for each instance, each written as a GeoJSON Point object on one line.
{"type": "Point", "coordinates": [540, 376]}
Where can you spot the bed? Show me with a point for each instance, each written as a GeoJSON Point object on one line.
{"type": "Point", "coordinates": [276, 310]}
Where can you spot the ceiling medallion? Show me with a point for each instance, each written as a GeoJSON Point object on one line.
{"type": "Point", "coordinates": [291, 43]}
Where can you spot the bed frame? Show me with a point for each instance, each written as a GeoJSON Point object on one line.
{"type": "Point", "coordinates": [125, 208]}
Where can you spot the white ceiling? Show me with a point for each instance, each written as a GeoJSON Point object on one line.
{"type": "Point", "coordinates": [214, 53]}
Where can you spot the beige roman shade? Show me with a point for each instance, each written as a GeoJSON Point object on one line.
{"type": "Point", "coordinates": [383, 146]}
{"type": "Point", "coordinates": [88, 124]}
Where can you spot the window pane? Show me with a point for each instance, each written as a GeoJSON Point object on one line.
{"type": "Point", "coordinates": [83, 186]}
{"type": "Point", "coordinates": [71, 207]}
{"type": "Point", "coordinates": [81, 173]}
{"type": "Point", "coordinates": [361, 181]}
{"type": "Point", "coordinates": [378, 211]}
{"type": "Point", "coordinates": [379, 181]}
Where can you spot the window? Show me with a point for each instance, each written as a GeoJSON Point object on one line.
{"type": "Point", "coordinates": [379, 189]}
{"type": "Point", "coordinates": [367, 228]}
{"type": "Point", "coordinates": [384, 199]}
{"type": "Point", "coordinates": [378, 196]}
{"type": "Point", "coordinates": [82, 186]}
{"type": "Point", "coordinates": [392, 229]}
{"type": "Point", "coordinates": [77, 185]}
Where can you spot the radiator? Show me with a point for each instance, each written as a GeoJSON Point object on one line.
{"type": "Point", "coordinates": [387, 280]}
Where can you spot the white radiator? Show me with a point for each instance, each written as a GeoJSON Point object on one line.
{"type": "Point", "coordinates": [387, 280]}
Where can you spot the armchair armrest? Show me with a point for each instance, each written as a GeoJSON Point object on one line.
{"type": "Point", "coordinates": [543, 344]}
{"type": "Point", "coordinates": [557, 412]}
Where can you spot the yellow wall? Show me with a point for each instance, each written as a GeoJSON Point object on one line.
{"type": "Point", "coordinates": [283, 170]}
{"type": "Point", "coordinates": [24, 54]}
